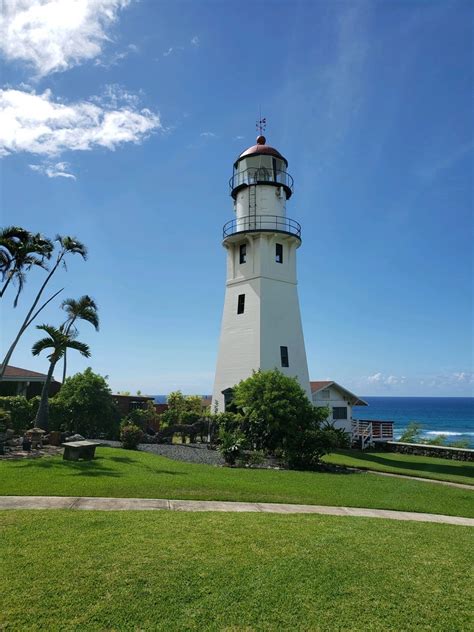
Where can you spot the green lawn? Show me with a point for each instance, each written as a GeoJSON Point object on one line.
{"type": "Point", "coordinates": [424, 466]}
{"type": "Point", "coordinates": [176, 571]}
{"type": "Point", "coordinates": [121, 473]}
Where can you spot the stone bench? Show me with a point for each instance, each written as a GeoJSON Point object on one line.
{"type": "Point", "coordinates": [75, 450]}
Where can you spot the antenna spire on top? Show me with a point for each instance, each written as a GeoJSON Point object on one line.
{"type": "Point", "coordinates": [261, 125]}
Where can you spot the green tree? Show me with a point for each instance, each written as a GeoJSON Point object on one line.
{"type": "Point", "coordinates": [412, 433]}
{"type": "Point", "coordinates": [67, 246]}
{"type": "Point", "coordinates": [20, 251]}
{"type": "Point", "coordinates": [88, 405]}
{"type": "Point", "coordinates": [84, 308]}
{"type": "Point", "coordinates": [275, 409]}
{"type": "Point", "coordinates": [58, 341]}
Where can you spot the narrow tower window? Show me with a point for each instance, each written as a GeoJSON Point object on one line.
{"type": "Point", "coordinates": [279, 253]}
{"type": "Point", "coordinates": [284, 356]}
{"type": "Point", "coordinates": [243, 253]}
{"type": "Point", "coordinates": [241, 304]}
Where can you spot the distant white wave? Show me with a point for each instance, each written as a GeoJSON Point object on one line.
{"type": "Point", "coordinates": [448, 433]}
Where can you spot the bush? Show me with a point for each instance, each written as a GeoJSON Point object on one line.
{"type": "Point", "coordinates": [22, 411]}
{"type": "Point", "coordinates": [337, 437]}
{"type": "Point", "coordinates": [231, 445]}
{"type": "Point", "coordinates": [85, 405]}
{"type": "Point", "coordinates": [412, 433]}
{"type": "Point", "coordinates": [130, 436]}
{"type": "Point", "coordinates": [275, 409]}
{"type": "Point", "coordinates": [307, 448]}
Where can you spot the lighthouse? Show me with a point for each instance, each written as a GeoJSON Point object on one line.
{"type": "Point", "coordinates": [261, 323]}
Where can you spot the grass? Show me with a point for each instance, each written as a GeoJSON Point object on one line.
{"type": "Point", "coordinates": [424, 466]}
{"type": "Point", "coordinates": [181, 571]}
{"type": "Point", "coordinates": [120, 473]}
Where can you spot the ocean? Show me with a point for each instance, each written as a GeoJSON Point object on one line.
{"type": "Point", "coordinates": [450, 416]}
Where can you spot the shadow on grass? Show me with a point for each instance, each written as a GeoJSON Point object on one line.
{"type": "Point", "coordinates": [435, 468]}
{"type": "Point", "coordinates": [97, 467]}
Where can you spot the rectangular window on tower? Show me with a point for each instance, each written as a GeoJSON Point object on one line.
{"type": "Point", "coordinates": [241, 304]}
{"type": "Point", "coordinates": [243, 253]}
{"type": "Point", "coordinates": [284, 356]}
{"type": "Point", "coordinates": [279, 253]}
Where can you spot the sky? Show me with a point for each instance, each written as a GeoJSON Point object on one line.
{"type": "Point", "coordinates": [120, 121]}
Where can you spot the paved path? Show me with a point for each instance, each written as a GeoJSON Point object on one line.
{"type": "Point", "coordinates": [113, 504]}
{"type": "Point", "coordinates": [414, 478]}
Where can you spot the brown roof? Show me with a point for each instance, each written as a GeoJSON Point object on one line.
{"type": "Point", "coordinates": [14, 372]}
{"type": "Point", "coordinates": [262, 148]}
{"type": "Point", "coordinates": [319, 385]}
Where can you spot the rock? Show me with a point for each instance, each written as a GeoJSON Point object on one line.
{"type": "Point", "coordinates": [75, 437]}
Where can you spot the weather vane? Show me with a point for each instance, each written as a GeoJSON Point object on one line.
{"type": "Point", "coordinates": [261, 125]}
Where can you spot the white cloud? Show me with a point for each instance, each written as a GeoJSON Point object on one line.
{"type": "Point", "coordinates": [171, 49]}
{"type": "Point", "coordinates": [54, 35]}
{"type": "Point", "coordinates": [207, 134]}
{"type": "Point", "coordinates": [56, 170]}
{"type": "Point", "coordinates": [116, 57]}
{"type": "Point", "coordinates": [38, 124]}
{"type": "Point", "coordinates": [381, 379]}
{"type": "Point", "coordinates": [195, 41]}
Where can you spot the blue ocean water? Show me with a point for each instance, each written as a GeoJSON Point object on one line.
{"type": "Point", "coordinates": [450, 416]}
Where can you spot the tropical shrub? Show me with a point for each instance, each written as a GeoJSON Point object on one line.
{"type": "Point", "coordinates": [231, 445]}
{"type": "Point", "coordinates": [22, 411]}
{"type": "Point", "coordinates": [87, 405]}
{"type": "Point", "coordinates": [130, 436]}
{"type": "Point", "coordinates": [306, 448]}
{"type": "Point", "coordinates": [412, 433]}
{"type": "Point", "coordinates": [275, 409]}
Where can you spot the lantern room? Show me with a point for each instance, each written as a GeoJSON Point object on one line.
{"type": "Point", "coordinates": [261, 164]}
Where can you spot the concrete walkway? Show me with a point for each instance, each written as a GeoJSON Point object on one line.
{"type": "Point", "coordinates": [414, 478]}
{"type": "Point", "coordinates": [134, 504]}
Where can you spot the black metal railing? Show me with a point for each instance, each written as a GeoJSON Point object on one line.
{"type": "Point", "coordinates": [264, 223]}
{"type": "Point", "coordinates": [261, 175]}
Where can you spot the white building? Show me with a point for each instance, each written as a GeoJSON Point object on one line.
{"type": "Point", "coordinates": [340, 402]}
{"type": "Point", "coordinates": [261, 323]}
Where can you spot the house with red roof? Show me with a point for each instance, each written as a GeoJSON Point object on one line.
{"type": "Point", "coordinates": [340, 401]}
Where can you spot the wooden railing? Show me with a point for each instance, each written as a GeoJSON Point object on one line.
{"type": "Point", "coordinates": [366, 431]}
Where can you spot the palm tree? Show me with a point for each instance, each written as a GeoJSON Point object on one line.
{"type": "Point", "coordinates": [67, 246]}
{"type": "Point", "coordinates": [21, 250]}
{"type": "Point", "coordinates": [85, 308]}
{"type": "Point", "coordinates": [58, 341]}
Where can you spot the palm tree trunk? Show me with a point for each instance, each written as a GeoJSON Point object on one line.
{"type": "Point", "coordinates": [28, 318]}
{"type": "Point", "coordinates": [68, 329]}
{"type": "Point", "coordinates": [64, 366]}
{"type": "Point", "coordinates": [7, 283]}
{"type": "Point", "coordinates": [42, 416]}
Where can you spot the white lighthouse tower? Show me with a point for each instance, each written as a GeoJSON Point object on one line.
{"type": "Point", "coordinates": [261, 324]}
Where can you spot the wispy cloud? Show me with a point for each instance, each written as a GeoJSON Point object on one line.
{"type": "Point", "coordinates": [40, 124]}
{"type": "Point", "coordinates": [172, 49]}
{"type": "Point", "coordinates": [54, 170]}
{"type": "Point", "coordinates": [385, 380]}
{"type": "Point", "coordinates": [194, 42]}
{"type": "Point", "coordinates": [208, 135]}
{"type": "Point", "coordinates": [54, 35]}
{"type": "Point", "coordinates": [117, 57]}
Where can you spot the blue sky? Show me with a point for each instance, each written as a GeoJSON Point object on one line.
{"type": "Point", "coordinates": [120, 124]}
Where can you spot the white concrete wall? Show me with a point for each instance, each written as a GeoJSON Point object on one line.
{"type": "Point", "coordinates": [271, 319]}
